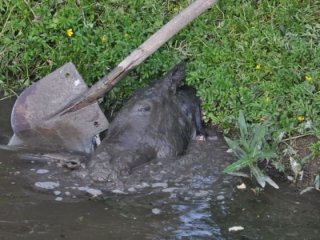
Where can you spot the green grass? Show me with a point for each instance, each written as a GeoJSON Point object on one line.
{"type": "Point", "coordinates": [258, 56]}
{"type": "Point", "coordinates": [33, 41]}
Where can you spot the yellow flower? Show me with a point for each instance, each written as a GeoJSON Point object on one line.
{"type": "Point", "coordinates": [258, 66]}
{"type": "Point", "coordinates": [300, 118]}
{"type": "Point", "coordinates": [308, 78]}
{"type": "Point", "coordinates": [126, 36]}
{"type": "Point", "coordinates": [104, 39]}
{"type": "Point", "coordinates": [267, 99]}
{"type": "Point", "coordinates": [69, 32]}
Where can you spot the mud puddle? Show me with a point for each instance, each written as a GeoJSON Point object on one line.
{"type": "Point", "coordinates": [185, 199]}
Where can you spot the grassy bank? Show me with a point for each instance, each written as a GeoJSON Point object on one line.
{"type": "Point", "coordinates": [261, 57]}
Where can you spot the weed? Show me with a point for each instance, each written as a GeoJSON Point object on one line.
{"type": "Point", "coordinates": [250, 148]}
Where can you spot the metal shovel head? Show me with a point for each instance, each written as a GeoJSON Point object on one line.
{"type": "Point", "coordinates": [35, 121]}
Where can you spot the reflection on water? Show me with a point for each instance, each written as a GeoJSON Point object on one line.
{"type": "Point", "coordinates": [203, 208]}
{"type": "Point", "coordinates": [196, 220]}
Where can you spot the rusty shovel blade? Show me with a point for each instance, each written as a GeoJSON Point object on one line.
{"type": "Point", "coordinates": [34, 120]}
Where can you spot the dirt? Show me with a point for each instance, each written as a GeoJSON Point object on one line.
{"type": "Point", "coordinates": [302, 154]}
{"type": "Point", "coordinates": [300, 145]}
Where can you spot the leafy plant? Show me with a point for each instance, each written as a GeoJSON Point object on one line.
{"type": "Point", "coordinates": [250, 148]}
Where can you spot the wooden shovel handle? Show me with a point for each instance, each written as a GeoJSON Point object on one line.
{"type": "Point", "coordinates": [141, 53]}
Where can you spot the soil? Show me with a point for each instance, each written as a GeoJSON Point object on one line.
{"type": "Point", "coordinates": [310, 164]}
{"type": "Point", "coordinates": [301, 146]}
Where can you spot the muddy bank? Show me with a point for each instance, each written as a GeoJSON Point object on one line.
{"type": "Point", "coordinates": [302, 166]}
{"type": "Point", "coordinates": [189, 199]}
{"type": "Point", "coordinates": [196, 172]}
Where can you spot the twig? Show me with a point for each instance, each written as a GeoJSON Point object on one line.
{"type": "Point", "coordinates": [82, 12]}
{"type": "Point", "coordinates": [35, 17]}
{"type": "Point", "coordinates": [5, 24]}
{"type": "Point", "coordinates": [6, 97]}
{"type": "Point", "coordinates": [11, 94]}
{"type": "Point", "coordinates": [296, 137]}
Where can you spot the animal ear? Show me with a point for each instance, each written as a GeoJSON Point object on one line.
{"type": "Point", "coordinates": [173, 78]}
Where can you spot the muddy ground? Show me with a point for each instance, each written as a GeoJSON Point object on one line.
{"type": "Point", "coordinates": [302, 175]}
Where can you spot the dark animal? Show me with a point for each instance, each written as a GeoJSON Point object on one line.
{"type": "Point", "coordinates": [156, 122]}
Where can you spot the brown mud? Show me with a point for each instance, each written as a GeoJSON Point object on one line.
{"type": "Point", "coordinates": [188, 198]}
{"type": "Point", "coordinates": [303, 175]}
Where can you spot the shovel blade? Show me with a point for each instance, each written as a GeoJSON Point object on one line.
{"type": "Point", "coordinates": [34, 117]}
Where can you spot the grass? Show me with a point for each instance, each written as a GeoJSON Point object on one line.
{"type": "Point", "coordinates": [260, 57]}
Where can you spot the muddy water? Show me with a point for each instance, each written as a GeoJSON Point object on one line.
{"type": "Point", "coordinates": [184, 198]}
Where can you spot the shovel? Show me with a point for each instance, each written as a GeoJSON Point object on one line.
{"type": "Point", "coordinates": [60, 112]}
